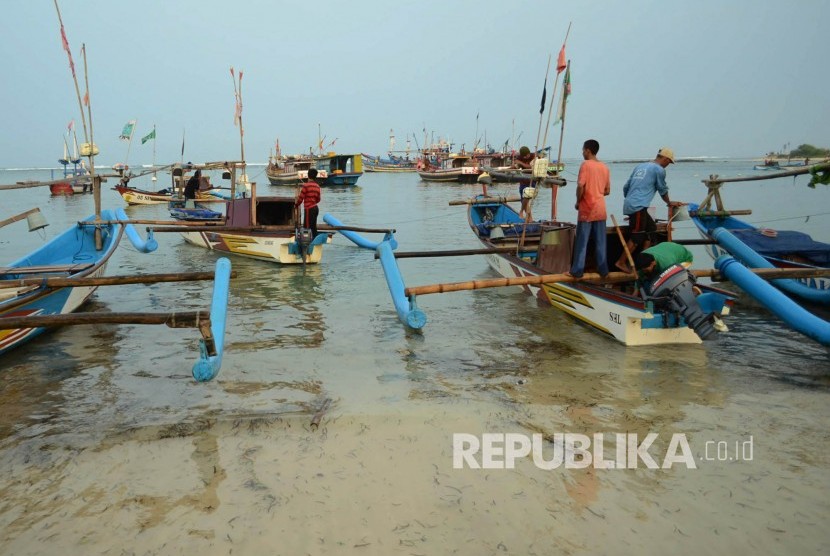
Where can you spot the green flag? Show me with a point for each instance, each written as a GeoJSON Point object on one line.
{"type": "Point", "coordinates": [151, 135]}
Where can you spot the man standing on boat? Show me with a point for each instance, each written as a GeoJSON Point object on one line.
{"type": "Point", "coordinates": [647, 179]}
{"type": "Point", "coordinates": [310, 197]}
{"type": "Point", "coordinates": [524, 161]}
{"type": "Point", "coordinates": [593, 185]}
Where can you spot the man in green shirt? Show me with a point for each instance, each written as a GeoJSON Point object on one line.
{"type": "Point", "coordinates": [654, 260]}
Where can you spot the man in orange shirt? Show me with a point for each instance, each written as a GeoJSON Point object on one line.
{"type": "Point", "coordinates": [310, 197]}
{"type": "Point", "coordinates": [593, 185]}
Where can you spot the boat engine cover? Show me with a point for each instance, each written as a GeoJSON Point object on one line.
{"type": "Point", "coordinates": [673, 290]}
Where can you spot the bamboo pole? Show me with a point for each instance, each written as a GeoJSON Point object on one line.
{"type": "Point", "coordinates": [485, 200]}
{"type": "Point", "coordinates": [204, 227]}
{"type": "Point", "coordinates": [186, 319]}
{"type": "Point", "coordinates": [772, 175]}
{"type": "Point", "coordinates": [624, 243]}
{"type": "Point", "coordinates": [719, 213]}
{"type": "Point", "coordinates": [612, 278]}
{"type": "Point", "coordinates": [450, 253]}
{"type": "Point", "coordinates": [60, 282]}
{"type": "Point", "coordinates": [183, 223]}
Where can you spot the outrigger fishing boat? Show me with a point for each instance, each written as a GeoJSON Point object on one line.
{"type": "Point", "coordinates": [459, 168]}
{"type": "Point", "coordinates": [764, 247]}
{"type": "Point", "coordinates": [263, 228]}
{"type": "Point", "coordinates": [136, 196]}
{"type": "Point", "coordinates": [46, 288]}
{"type": "Point", "coordinates": [290, 170]}
{"type": "Point", "coordinates": [334, 170]}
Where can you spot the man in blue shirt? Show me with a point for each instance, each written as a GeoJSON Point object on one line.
{"type": "Point", "coordinates": [647, 179]}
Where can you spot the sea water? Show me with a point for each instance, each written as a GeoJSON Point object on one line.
{"type": "Point", "coordinates": [107, 445]}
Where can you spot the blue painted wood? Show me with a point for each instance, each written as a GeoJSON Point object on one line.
{"type": "Point", "coordinates": [207, 367]}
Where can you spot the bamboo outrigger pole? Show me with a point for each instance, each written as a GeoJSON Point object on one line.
{"type": "Point", "coordinates": [592, 277]}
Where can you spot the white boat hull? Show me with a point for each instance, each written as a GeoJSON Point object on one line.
{"type": "Point", "coordinates": [261, 247]}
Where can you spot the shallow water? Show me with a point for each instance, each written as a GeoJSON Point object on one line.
{"type": "Point", "coordinates": [109, 446]}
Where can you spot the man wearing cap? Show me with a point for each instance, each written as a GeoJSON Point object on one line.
{"type": "Point", "coordinates": [647, 179]}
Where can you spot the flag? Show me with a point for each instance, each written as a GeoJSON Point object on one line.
{"type": "Point", "coordinates": [68, 52]}
{"type": "Point", "coordinates": [127, 132]}
{"type": "Point", "coordinates": [86, 98]}
{"type": "Point", "coordinates": [182, 143]}
{"type": "Point", "coordinates": [560, 63]}
{"type": "Point", "coordinates": [544, 94]}
{"type": "Point", "coordinates": [566, 92]}
{"type": "Point", "coordinates": [151, 135]}
{"type": "Point", "coordinates": [71, 126]}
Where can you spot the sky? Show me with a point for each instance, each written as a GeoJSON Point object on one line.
{"type": "Point", "coordinates": [721, 78]}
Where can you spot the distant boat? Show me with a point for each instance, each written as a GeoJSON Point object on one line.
{"type": "Point", "coordinates": [290, 170]}
{"type": "Point", "coordinates": [338, 169]}
{"type": "Point", "coordinates": [393, 164]}
{"type": "Point", "coordinates": [70, 187]}
{"type": "Point", "coordinates": [459, 168]}
{"type": "Point", "coordinates": [263, 228]}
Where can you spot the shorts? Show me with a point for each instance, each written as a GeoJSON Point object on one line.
{"type": "Point", "coordinates": [641, 227]}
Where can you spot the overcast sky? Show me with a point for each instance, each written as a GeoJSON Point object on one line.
{"type": "Point", "coordinates": [732, 78]}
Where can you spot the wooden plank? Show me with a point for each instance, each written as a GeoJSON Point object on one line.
{"type": "Point", "coordinates": [45, 269]}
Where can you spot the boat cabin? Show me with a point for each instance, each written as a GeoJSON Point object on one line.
{"type": "Point", "coordinates": [260, 211]}
{"type": "Point", "coordinates": [339, 163]}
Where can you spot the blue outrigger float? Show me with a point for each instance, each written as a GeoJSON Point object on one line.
{"type": "Point", "coordinates": [761, 247]}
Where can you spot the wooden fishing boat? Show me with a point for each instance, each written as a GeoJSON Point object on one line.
{"type": "Point", "coordinates": [337, 170]}
{"type": "Point", "coordinates": [179, 176]}
{"type": "Point", "coordinates": [393, 164]}
{"type": "Point", "coordinates": [620, 311]}
{"type": "Point", "coordinates": [291, 170]}
{"type": "Point", "coordinates": [459, 168]}
{"type": "Point", "coordinates": [75, 178]}
{"type": "Point", "coordinates": [263, 228]}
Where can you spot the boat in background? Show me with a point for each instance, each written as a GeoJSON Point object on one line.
{"type": "Point", "coordinates": [290, 170]}
{"type": "Point", "coordinates": [262, 228]}
{"type": "Point", "coordinates": [393, 164]}
{"type": "Point", "coordinates": [77, 180]}
{"type": "Point", "coordinates": [338, 169]}
{"type": "Point", "coordinates": [136, 196]}
{"type": "Point", "coordinates": [459, 168]}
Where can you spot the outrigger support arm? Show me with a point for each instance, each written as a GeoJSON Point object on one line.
{"type": "Point", "coordinates": [405, 305]}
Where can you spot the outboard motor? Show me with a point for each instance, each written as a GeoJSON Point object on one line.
{"type": "Point", "coordinates": [304, 238]}
{"type": "Point", "coordinates": [673, 290]}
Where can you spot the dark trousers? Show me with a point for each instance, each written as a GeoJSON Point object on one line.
{"type": "Point", "coordinates": [311, 219]}
{"type": "Point", "coordinates": [584, 232]}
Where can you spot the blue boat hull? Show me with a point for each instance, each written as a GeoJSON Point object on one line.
{"type": "Point", "coordinates": [74, 253]}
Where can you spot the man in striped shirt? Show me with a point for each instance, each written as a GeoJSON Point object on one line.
{"type": "Point", "coordinates": [310, 197]}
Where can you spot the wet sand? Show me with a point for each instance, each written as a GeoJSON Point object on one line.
{"type": "Point", "coordinates": [385, 484]}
